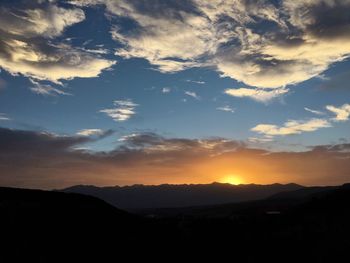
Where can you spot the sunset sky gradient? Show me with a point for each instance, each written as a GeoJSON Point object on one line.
{"type": "Point", "coordinates": [125, 92]}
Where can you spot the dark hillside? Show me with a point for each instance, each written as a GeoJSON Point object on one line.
{"type": "Point", "coordinates": [41, 226]}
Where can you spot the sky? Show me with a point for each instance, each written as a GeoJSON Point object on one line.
{"type": "Point", "coordinates": [128, 92]}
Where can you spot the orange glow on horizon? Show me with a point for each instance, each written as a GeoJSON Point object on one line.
{"type": "Point", "coordinates": [232, 179]}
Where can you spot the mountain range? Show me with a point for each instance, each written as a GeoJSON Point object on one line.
{"type": "Point", "coordinates": [138, 197]}
{"type": "Point", "coordinates": [302, 225]}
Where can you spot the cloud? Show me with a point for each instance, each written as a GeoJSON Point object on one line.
{"type": "Point", "coordinates": [46, 20]}
{"type": "Point", "coordinates": [90, 132]}
{"type": "Point", "coordinates": [314, 111]}
{"type": "Point", "coordinates": [44, 160]}
{"type": "Point", "coordinates": [291, 127]}
{"type": "Point", "coordinates": [3, 117]}
{"type": "Point", "coordinates": [124, 110]}
{"type": "Point", "coordinates": [342, 113]}
{"type": "Point", "coordinates": [299, 126]}
{"type": "Point", "coordinates": [101, 51]}
{"type": "Point", "coordinates": [296, 51]}
{"type": "Point", "coordinates": [196, 81]}
{"type": "Point", "coordinates": [192, 94]}
{"type": "Point", "coordinates": [226, 108]}
{"type": "Point", "coordinates": [46, 90]}
{"type": "Point", "coordinates": [265, 139]}
{"type": "Point", "coordinates": [261, 95]}
{"type": "Point", "coordinates": [166, 90]}
{"type": "Point", "coordinates": [37, 142]}
{"type": "Point", "coordinates": [30, 44]}
{"type": "Point", "coordinates": [262, 44]}
{"type": "Point", "coordinates": [152, 142]}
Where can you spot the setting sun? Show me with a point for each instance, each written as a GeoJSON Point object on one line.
{"type": "Point", "coordinates": [232, 179]}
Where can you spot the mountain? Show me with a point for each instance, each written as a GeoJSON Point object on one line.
{"type": "Point", "coordinates": [49, 226]}
{"type": "Point", "coordinates": [278, 203]}
{"type": "Point", "coordinates": [303, 193]}
{"type": "Point", "coordinates": [142, 196]}
{"type": "Point", "coordinates": [46, 226]}
{"type": "Point", "coordinates": [312, 228]}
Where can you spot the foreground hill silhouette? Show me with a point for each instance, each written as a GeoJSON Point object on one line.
{"type": "Point", "coordinates": [138, 197]}
{"type": "Point", "coordinates": [45, 226]}
{"type": "Point", "coordinates": [41, 226]}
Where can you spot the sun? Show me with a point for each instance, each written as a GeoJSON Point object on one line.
{"type": "Point", "coordinates": [232, 179]}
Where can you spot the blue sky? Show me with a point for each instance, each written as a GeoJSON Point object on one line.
{"type": "Point", "coordinates": [263, 74]}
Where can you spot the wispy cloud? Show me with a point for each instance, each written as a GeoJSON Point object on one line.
{"type": "Point", "coordinates": [196, 81]}
{"type": "Point", "coordinates": [100, 51]}
{"type": "Point", "coordinates": [291, 127]}
{"type": "Point", "coordinates": [192, 94]}
{"type": "Point", "coordinates": [314, 111]}
{"type": "Point", "coordinates": [3, 117]}
{"type": "Point", "coordinates": [90, 132]}
{"type": "Point", "coordinates": [123, 110]}
{"type": "Point", "coordinates": [299, 126]}
{"type": "Point", "coordinates": [166, 90]}
{"type": "Point", "coordinates": [261, 95]}
{"type": "Point", "coordinates": [226, 108]}
{"type": "Point", "coordinates": [342, 113]}
{"type": "Point", "coordinates": [265, 139]}
{"type": "Point", "coordinates": [46, 89]}
{"type": "Point", "coordinates": [322, 77]}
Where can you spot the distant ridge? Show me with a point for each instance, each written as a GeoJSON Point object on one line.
{"type": "Point", "coordinates": [303, 193]}
{"type": "Point", "coordinates": [181, 195]}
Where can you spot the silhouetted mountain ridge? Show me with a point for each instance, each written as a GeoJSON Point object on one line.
{"type": "Point", "coordinates": [308, 192]}
{"type": "Point", "coordinates": [50, 226]}
{"type": "Point", "coordinates": [47, 226]}
{"type": "Point", "coordinates": [180, 195]}
{"type": "Point", "coordinates": [277, 203]}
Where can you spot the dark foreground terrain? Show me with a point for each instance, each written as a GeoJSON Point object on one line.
{"type": "Point", "coordinates": [297, 226]}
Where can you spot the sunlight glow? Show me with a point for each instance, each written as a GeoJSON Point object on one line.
{"type": "Point", "coordinates": [232, 179]}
